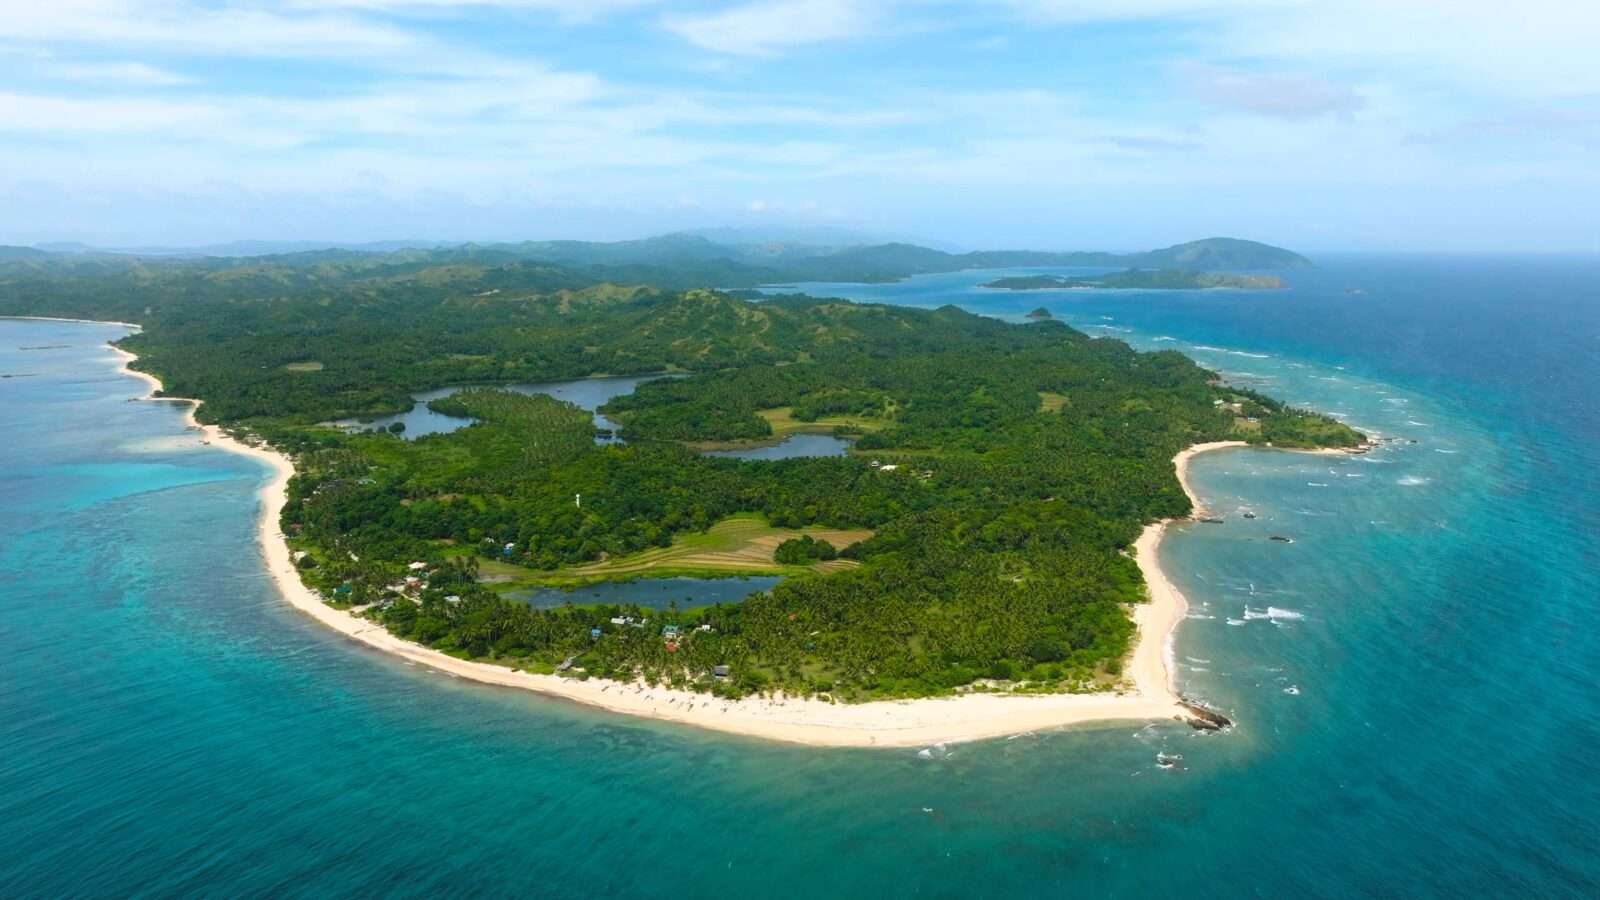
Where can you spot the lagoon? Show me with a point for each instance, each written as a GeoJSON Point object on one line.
{"type": "Point", "coordinates": [589, 394]}
{"type": "Point", "coordinates": [586, 393]}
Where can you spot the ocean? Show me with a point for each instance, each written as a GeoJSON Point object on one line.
{"type": "Point", "coordinates": [1413, 676]}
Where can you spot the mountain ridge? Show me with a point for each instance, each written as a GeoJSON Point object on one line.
{"type": "Point", "coordinates": [744, 265]}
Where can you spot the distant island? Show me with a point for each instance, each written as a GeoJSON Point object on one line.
{"type": "Point", "coordinates": [681, 261]}
{"type": "Point", "coordinates": [1040, 313]}
{"type": "Point", "coordinates": [1148, 279]}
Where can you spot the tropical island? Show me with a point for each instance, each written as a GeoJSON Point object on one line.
{"type": "Point", "coordinates": [977, 537]}
{"type": "Point", "coordinates": [1143, 279]}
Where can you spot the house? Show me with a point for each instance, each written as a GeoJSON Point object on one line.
{"type": "Point", "coordinates": [719, 671]}
{"type": "Point", "coordinates": [417, 566]}
{"type": "Point", "coordinates": [594, 633]}
{"type": "Point", "coordinates": [453, 598]}
{"type": "Point", "coordinates": [618, 620]}
{"type": "Point", "coordinates": [670, 632]}
{"type": "Point", "coordinates": [889, 467]}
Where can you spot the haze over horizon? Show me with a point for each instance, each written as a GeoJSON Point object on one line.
{"type": "Point", "coordinates": [1048, 124]}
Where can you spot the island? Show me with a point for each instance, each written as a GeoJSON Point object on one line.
{"type": "Point", "coordinates": [987, 543]}
{"type": "Point", "coordinates": [1143, 279]}
{"type": "Point", "coordinates": [1039, 313]}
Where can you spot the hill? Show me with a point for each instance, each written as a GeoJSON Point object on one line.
{"type": "Point", "coordinates": [1222, 253]}
{"type": "Point", "coordinates": [674, 261]}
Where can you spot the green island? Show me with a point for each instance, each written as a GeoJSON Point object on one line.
{"type": "Point", "coordinates": [1146, 279]}
{"type": "Point", "coordinates": [975, 536]}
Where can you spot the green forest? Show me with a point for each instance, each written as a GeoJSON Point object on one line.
{"type": "Point", "coordinates": [1002, 470]}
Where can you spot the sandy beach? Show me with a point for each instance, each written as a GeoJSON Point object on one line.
{"type": "Point", "coordinates": [1149, 694]}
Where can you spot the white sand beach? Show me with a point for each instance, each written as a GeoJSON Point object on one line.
{"type": "Point", "coordinates": [1149, 695]}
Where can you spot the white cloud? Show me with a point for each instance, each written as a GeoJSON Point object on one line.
{"type": "Point", "coordinates": [569, 10]}
{"type": "Point", "coordinates": [116, 74]}
{"type": "Point", "coordinates": [1530, 47]}
{"type": "Point", "coordinates": [1280, 95]}
{"type": "Point", "coordinates": [765, 27]}
{"type": "Point", "coordinates": [1081, 11]}
{"type": "Point", "coordinates": [423, 108]}
{"type": "Point", "coordinates": [200, 30]}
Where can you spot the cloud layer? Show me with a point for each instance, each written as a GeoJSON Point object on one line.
{"type": "Point", "coordinates": [1039, 122]}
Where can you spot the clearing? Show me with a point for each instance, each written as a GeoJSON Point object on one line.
{"type": "Point", "coordinates": [741, 544]}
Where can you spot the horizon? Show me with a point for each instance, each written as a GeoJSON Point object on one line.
{"type": "Point", "coordinates": [1037, 124]}
{"type": "Point", "coordinates": [291, 246]}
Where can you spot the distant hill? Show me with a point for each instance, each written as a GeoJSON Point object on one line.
{"type": "Point", "coordinates": [241, 249]}
{"type": "Point", "coordinates": [672, 261]}
{"type": "Point", "coordinates": [10, 254]}
{"type": "Point", "coordinates": [1216, 253]}
{"type": "Point", "coordinates": [747, 264]}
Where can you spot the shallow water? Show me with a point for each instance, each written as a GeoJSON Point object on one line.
{"type": "Point", "coordinates": [172, 728]}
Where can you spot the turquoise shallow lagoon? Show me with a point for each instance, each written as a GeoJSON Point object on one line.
{"type": "Point", "coordinates": [1414, 676]}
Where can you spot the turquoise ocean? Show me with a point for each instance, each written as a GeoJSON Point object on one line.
{"type": "Point", "coordinates": [1414, 676]}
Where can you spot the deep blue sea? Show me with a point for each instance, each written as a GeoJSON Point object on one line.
{"type": "Point", "coordinates": [1414, 676]}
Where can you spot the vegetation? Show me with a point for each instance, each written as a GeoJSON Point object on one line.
{"type": "Point", "coordinates": [741, 544]}
{"type": "Point", "coordinates": [804, 550]}
{"type": "Point", "coordinates": [1000, 473]}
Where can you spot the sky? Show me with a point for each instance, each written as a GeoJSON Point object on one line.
{"type": "Point", "coordinates": [1322, 125]}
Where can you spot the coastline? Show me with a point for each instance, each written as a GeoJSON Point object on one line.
{"type": "Point", "coordinates": [887, 723]}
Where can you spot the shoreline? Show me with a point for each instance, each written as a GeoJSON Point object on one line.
{"type": "Point", "coordinates": [883, 723]}
{"type": "Point", "coordinates": [134, 325]}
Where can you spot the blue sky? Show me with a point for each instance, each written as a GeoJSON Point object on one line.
{"type": "Point", "coordinates": [1354, 125]}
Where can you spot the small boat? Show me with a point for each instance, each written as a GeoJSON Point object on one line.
{"type": "Point", "coordinates": [1281, 539]}
{"type": "Point", "coordinates": [1168, 760]}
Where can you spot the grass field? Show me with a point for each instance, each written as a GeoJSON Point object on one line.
{"type": "Point", "coordinates": [784, 423]}
{"type": "Point", "coordinates": [742, 544]}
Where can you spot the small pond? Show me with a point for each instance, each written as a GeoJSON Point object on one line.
{"type": "Point", "coordinates": [653, 593]}
{"type": "Point", "coordinates": [794, 445]}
